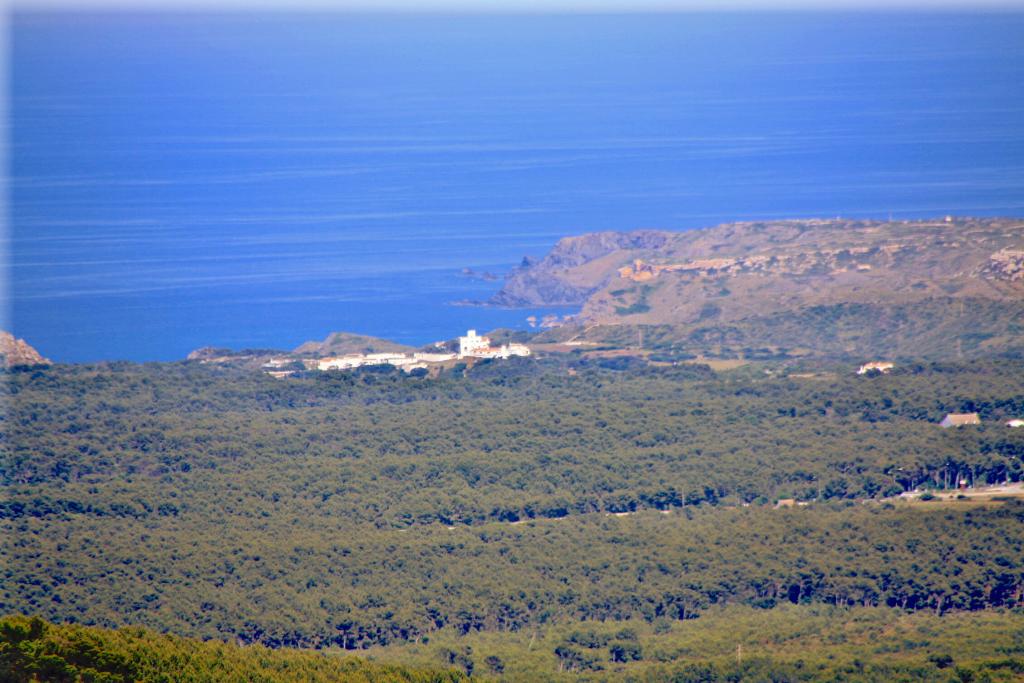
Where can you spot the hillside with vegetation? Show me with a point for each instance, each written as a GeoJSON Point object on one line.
{"type": "Point", "coordinates": [341, 343]}
{"type": "Point", "coordinates": [942, 289]}
{"type": "Point", "coordinates": [937, 328]}
{"type": "Point", "coordinates": [793, 643]}
{"type": "Point", "coordinates": [32, 649]}
{"type": "Point", "coordinates": [371, 509]}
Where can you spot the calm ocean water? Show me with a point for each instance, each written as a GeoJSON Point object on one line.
{"type": "Point", "coordinates": [260, 180]}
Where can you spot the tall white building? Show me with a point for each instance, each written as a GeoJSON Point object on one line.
{"type": "Point", "coordinates": [473, 344]}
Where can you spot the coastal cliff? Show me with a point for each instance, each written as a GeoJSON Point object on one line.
{"type": "Point", "coordinates": [962, 275]}
{"type": "Point", "coordinates": [575, 269]}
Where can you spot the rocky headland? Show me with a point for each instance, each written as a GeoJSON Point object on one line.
{"type": "Point", "coordinates": [744, 283]}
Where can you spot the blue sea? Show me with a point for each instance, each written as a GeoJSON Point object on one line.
{"type": "Point", "coordinates": [258, 180]}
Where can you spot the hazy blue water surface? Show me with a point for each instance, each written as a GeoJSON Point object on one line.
{"type": "Point", "coordinates": [262, 180]}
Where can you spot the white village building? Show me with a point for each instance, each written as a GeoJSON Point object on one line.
{"type": "Point", "coordinates": [473, 344]}
{"type": "Point", "coordinates": [470, 346]}
{"type": "Point", "coordinates": [877, 366]}
{"type": "Point", "coordinates": [960, 419]}
{"type": "Point", "coordinates": [428, 357]}
{"type": "Point", "coordinates": [341, 362]}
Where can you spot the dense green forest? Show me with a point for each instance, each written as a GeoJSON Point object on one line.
{"type": "Point", "coordinates": [373, 508]}
{"type": "Point", "coordinates": [510, 440]}
{"type": "Point", "coordinates": [32, 649]}
{"type": "Point", "coordinates": [732, 644]}
{"type": "Point", "coordinates": [787, 644]}
{"type": "Point", "coordinates": [291, 581]}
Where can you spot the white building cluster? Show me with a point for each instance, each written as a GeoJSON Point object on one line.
{"type": "Point", "coordinates": [475, 346]}
{"type": "Point", "coordinates": [407, 362]}
{"type": "Point", "coordinates": [470, 346]}
{"type": "Point", "coordinates": [876, 366]}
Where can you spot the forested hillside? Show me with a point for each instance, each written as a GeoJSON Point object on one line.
{"type": "Point", "coordinates": [791, 644]}
{"type": "Point", "coordinates": [787, 644]}
{"type": "Point", "coordinates": [351, 509]}
{"type": "Point", "coordinates": [32, 649]}
{"type": "Point", "coordinates": [508, 441]}
{"type": "Point", "coordinates": [940, 327]}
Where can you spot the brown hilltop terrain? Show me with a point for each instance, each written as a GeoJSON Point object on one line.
{"type": "Point", "coordinates": [340, 343]}
{"type": "Point", "coordinates": [938, 287]}
{"type": "Point", "coordinates": [16, 352]}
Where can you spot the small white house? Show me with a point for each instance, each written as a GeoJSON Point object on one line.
{"type": "Point", "coordinates": [387, 357]}
{"type": "Point", "coordinates": [1016, 422]}
{"type": "Point", "coordinates": [340, 362]}
{"type": "Point", "coordinates": [402, 361]}
{"type": "Point", "coordinates": [960, 419]}
{"type": "Point", "coordinates": [877, 366]}
{"type": "Point", "coordinates": [518, 350]}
